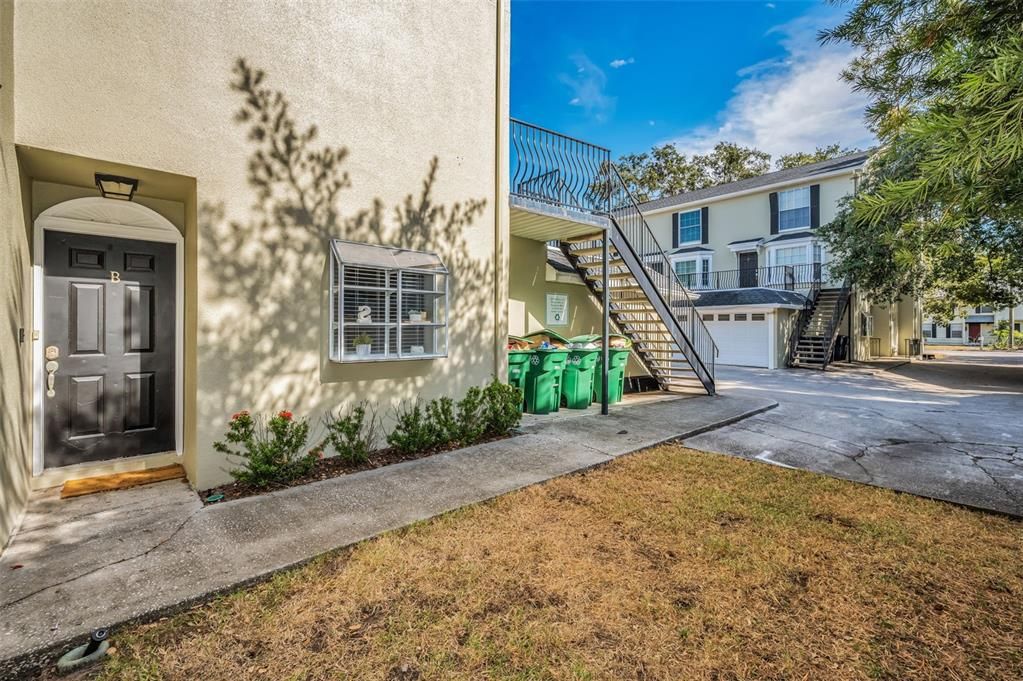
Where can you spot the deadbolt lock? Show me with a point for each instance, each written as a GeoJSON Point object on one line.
{"type": "Point", "coordinates": [52, 352]}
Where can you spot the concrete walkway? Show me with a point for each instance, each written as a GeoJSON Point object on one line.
{"type": "Point", "coordinates": [106, 559]}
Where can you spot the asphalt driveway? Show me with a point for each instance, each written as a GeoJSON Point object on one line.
{"type": "Point", "coordinates": [949, 429]}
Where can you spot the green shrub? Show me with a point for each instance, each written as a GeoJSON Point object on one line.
{"type": "Point", "coordinates": [1001, 336]}
{"type": "Point", "coordinates": [271, 450]}
{"type": "Point", "coordinates": [471, 423]}
{"type": "Point", "coordinates": [502, 407]}
{"type": "Point", "coordinates": [352, 432]}
{"type": "Point", "coordinates": [444, 426]}
{"type": "Point", "coordinates": [413, 431]}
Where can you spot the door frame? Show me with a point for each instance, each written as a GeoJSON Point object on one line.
{"type": "Point", "coordinates": [95, 215]}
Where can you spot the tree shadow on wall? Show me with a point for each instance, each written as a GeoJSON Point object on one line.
{"type": "Point", "coordinates": [263, 324]}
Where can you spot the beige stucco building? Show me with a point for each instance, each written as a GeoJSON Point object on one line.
{"type": "Point", "coordinates": [750, 250]}
{"type": "Point", "coordinates": [392, 130]}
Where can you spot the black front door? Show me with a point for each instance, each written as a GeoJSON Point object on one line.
{"type": "Point", "coordinates": [109, 348]}
{"type": "Point", "coordinates": [747, 269]}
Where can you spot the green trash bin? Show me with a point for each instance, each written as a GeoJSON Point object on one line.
{"type": "Point", "coordinates": [543, 380]}
{"type": "Point", "coordinates": [618, 358]}
{"type": "Point", "coordinates": [518, 364]}
{"type": "Point", "coordinates": [580, 371]}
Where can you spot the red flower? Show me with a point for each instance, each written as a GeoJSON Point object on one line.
{"type": "Point", "coordinates": [286, 415]}
{"type": "Point", "coordinates": [235, 417]}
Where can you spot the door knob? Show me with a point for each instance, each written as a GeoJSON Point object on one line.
{"type": "Point", "coordinates": [51, 373]}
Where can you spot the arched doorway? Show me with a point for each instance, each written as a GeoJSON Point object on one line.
{"type": "Point", "coordinates": [108, 347]}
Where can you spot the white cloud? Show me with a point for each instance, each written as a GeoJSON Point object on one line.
{"type": "Point", "coordinates": [619, 63]}
{"type": "Point", "coordinates": [587, 88]}
{"type": "Point", "coordinates": [770, 5]}
{"type": "Point", "coordinates": [794, 103]}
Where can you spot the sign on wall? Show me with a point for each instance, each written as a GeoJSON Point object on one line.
{"type": "Point", "coordinates": [557, 309]}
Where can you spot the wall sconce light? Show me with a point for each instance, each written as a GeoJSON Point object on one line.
{"type": "Point", "coordinates": [116, 187]}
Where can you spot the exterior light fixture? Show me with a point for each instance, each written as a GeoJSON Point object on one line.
{"type": "Point", "coordinates": [116, 187]}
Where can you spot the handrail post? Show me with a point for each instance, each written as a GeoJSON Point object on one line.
{"type": "Point", "coordinates": [606, 327]}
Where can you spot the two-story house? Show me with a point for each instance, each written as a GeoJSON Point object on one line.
{"type": "Point", "coordinates": [973, 326]}
{"type": "Point", "coordinates": [749, 249]}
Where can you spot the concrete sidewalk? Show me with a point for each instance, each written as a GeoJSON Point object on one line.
{"type": "Point", "coordinates": [115, 557]}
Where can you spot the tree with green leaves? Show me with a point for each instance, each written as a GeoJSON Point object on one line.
{"type": "Point", "coordinates": [939, 210]}
{"type": "Point", "coordinates": [802, 158]}
{"type": "Point", "coordinates": [665, 171]}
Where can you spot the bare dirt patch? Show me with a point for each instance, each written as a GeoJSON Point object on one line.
{"type": "Point", "coordinates": [671, 564]}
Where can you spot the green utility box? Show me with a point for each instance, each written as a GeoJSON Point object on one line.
{"type": "Point", "coordinates": [580, 371]}
{"type": "Point", "coordinates": [543, 380]}
{"type": "Point", "coordinates": [618, 357]}
{"type": "Point", "coordinates": [518, 364]}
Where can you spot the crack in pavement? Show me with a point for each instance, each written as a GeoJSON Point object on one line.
{"type": "Point", "coordinates": [126, 559]}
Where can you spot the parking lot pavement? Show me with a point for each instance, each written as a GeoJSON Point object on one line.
{"type": "Point", "coordinates": [950, 429]}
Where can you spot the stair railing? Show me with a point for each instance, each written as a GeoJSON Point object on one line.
{"type": "Point", "coordinates": [805, 314]}
{"type": "Point", "coordinates": [697, 344]}
{"type": "Point", "coordinates": [836, 318]}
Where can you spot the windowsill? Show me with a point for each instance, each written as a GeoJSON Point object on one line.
{"type": "Point", "coordinates": [794, 229]}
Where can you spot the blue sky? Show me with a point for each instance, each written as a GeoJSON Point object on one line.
{"type": "Point", "coordinates": [629, 74]}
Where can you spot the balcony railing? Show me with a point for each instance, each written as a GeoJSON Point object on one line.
{"type": "Point", "coordinates": [785, 277]}
{"type": "Point", "coordinates": [558, 170]}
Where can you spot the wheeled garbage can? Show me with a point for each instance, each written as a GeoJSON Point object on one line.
{"type": "Point", "coordinates": [618, 357]}
{"type": "Point", "coordinates": [543, 380]}
{"type": "Point", "coordinates": [580, 371]}
{"type": "Point", "coordinates": [518, 364]}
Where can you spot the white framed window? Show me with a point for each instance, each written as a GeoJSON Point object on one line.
{"type": "Point", "coordinates": [693, 270]}
{"type": "Point", "coordinates": [690, 229]}
{"type": "Point", "coordinates": [789, 255]}
{"type": "Point", "coordinates": [955, 330]}
{"type": "Point", "coordinates": [926, 331]}
{"type": "Point", "coordinates": [386, 303]}
{"type": "Point", "coordinates": [794, 209]}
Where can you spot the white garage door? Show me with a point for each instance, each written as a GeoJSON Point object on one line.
{"type": "Point", "coordinates": [742, 341]}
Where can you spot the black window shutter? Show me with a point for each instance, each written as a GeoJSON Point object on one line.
{"type": "Point", "coordinates": [815, 206]}
{"type": "Point", "coordinates": [674, 230]}
{"type": "Point", "coordinates": [705, 224]}
{"type": "Point", "coordinates": [948, 331]}
{"type": "Point", "coordinates": [774, 212]}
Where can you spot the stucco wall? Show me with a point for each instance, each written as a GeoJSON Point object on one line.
{"type": "Point", "coordinates": [406, 94]}
{"type": "Point", "coordinates": [746, 217]}
{"type": "Point", "coordinates": [529, 283]}
{"type": "Point", "coordinates": [15, 305]}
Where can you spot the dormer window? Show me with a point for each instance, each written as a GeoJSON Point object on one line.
{"type": "Point", "coordinates": [794, 209]}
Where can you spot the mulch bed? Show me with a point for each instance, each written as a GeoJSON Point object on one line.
{"type": "Point", "coordinates": [329, 467]}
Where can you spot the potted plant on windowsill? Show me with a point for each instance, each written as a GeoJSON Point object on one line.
{"type": "Point", "coordinates": [363, 345]}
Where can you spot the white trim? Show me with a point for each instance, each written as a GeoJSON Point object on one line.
{"type": "Point", "coordinates": [104, 217]}
{"type": "Point", "coordinates": [850, 171]}
{"type": "Point", "coordinates": [698, 257]}
{"type": "Point", "coordinates": [809, 209]}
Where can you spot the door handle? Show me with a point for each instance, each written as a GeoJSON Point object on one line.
{"type": "Point", "coordinates": [51, 375]}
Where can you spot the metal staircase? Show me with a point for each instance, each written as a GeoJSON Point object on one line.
{"type": "Point", "coordinates": [570, 180]}
{"type": "Point", "coordinates": [648, 303]}
{"type": "Point", "coordinates": [818, 328]}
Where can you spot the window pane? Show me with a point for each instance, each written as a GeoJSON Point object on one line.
{"type": "Point", "coordinates": [689, 226]}
{"type": "Point", "coordinates": [794, 208]}
{"type": "Point", "coordinates": [794, 255]}
{"type": "Point", "coordinates": [686, 271]}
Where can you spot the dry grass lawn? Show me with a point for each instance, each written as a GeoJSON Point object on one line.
{"type": "Point", "coordinates": [671, 564]}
